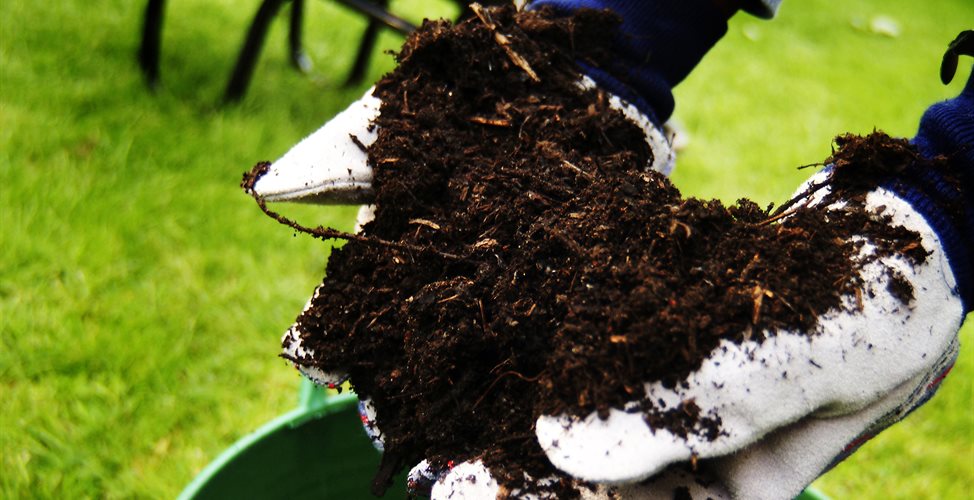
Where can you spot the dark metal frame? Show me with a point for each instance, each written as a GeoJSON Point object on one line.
{"type": "Point", "coordinates": [377, 12]}
{"type": "Point", "coordinates": [151, 39]}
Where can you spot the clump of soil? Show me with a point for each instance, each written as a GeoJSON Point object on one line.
{"type": "Point", "coordinates": [523, 260]}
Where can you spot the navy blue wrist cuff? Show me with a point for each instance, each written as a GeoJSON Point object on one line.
{"type": "Point", "coordinates": [930, 195]}
{"type": "Point", "coordinates": [947, 129]}
{"type": "Point", "coordinates": [658, 44]}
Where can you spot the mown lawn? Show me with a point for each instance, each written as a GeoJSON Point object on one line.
{"type": "Point", "coordinates": [142, 296]}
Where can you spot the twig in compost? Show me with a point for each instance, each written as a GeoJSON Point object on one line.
{"type": "Point", "coordinates": [779, 213]}
{"type": "Point", "coordinates": [496, 122]}
{"type": "Point", "coordinates": [504, 42]}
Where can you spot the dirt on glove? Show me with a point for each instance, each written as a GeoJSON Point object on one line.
{"type": "Point", "coordinates": [524, 261]}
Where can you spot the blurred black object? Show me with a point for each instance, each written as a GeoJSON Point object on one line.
{"type": "Point", "coordinates": [151, 37]}
{"type": "Point", "coordinates": [963, 45]}
{"type": "Point", "coordinates": [377, 12]}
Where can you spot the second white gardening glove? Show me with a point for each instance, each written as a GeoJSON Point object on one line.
{"type": "Point", "coordinates": [792, 405]}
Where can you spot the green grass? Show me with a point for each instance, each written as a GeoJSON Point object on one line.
{"type": "Point", "coordinates": [142, 295]}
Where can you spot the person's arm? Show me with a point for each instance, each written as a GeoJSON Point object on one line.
{"type": "Point", "coordinates": [656, 46]}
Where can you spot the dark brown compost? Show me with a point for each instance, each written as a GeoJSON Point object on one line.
{"type": "Point", "coordinates": [523, 260]}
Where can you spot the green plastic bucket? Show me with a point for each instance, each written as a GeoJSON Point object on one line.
{"type": "Point", "coordinates": [318, 450]}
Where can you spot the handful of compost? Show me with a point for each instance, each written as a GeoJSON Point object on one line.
{"type": "Point", "coordinates": [530, 308]}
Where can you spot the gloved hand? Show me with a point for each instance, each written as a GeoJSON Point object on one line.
{"type": "Point", "coordinates": [330, 166]}
{"type": "Point", "coordinates": [793, 406]}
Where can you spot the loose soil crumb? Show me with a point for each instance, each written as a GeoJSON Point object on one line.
{"type": "Point", "coordinates": [523, 260]}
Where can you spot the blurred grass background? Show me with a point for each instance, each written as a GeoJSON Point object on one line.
{"type": "Point", "coordinates": [142, 295]}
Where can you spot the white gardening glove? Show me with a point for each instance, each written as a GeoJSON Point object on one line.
{"type": "Point", "coordinates": [789, 404]}
{"type": "Point", "coordinates": [331, 166]}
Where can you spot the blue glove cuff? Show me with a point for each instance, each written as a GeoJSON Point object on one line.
{"type": "Point", "coordinates": [947, 128]}
{"type": "Point", "coordinates": [657, 45]}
